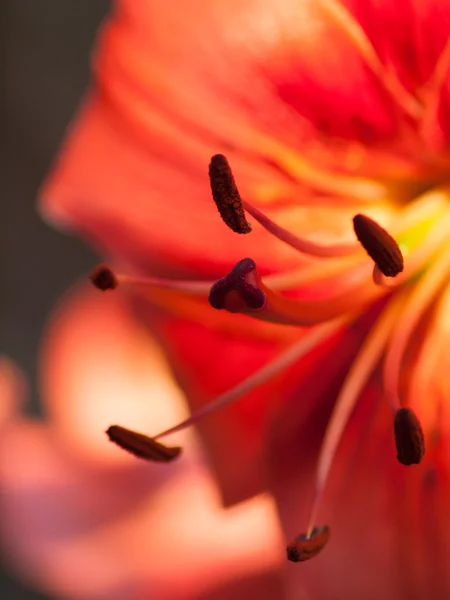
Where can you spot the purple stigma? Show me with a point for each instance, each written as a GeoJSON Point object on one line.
{"type": "Point", "coordinates": [238, 290]}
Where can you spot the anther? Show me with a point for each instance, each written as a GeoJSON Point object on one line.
{"type": "Point", "coordinates": [409, 438]}
{"type": "Point", "coordinates": [379, 245]}
{"type": "Point", "coordinates": [141, 445]}
{"type": "Point", "coordinates": [103, 278]}
{"type": "Point", "coordinates": [226, 195]}
{"type": "Point", "coordinates": [238, 291]}
{"type": "Point", "coordinates": [307, 546]}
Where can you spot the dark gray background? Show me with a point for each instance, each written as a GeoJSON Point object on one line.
{"type": "Point", "coordinates": [45, 67]}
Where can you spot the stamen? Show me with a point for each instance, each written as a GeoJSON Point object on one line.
{"type": "Point", "coordinates": [226, 195]}
{"type": "Point", "coordinates": [307, 546]}
{"type": "Point", "coordinates": [231, 208]}
{"type": "Point", "coordinates": [277, 281]}
{"type": "Point", "coordinates": [293, 354]}
{"type": "Point", "coordinates": [379, 245]}
{"type": "Point", "coordinates": [361, 369]}
{"type": "Point", "coordinates": [409, 438]}
{"type": "Point", "coordinates": [103, 278]}
{"type": "Point", "coordinates": [299, 244]}
{"type": "Point", "coordinates": [141, 445]}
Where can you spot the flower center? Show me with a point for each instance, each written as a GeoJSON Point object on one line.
{"type": "Point", "coordinates": [420, 235]}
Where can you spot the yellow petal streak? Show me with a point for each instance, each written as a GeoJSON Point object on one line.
{"type": "Point", "coordinates": [353, 30]}
{"type": "Point", "coordinates": [417, 303]}
{"type": "Point", "coordinates": [430, 373]}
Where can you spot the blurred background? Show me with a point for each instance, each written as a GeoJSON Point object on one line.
{"type": "Point", "coordinates": [45, 68]}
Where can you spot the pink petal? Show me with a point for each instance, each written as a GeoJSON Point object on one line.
{"type": "Point", "coordinates": [82, 520]}
{"type": "Point", "coordinates": [96, 365]}
{"type": "Point", "coordinates": [126, 532]}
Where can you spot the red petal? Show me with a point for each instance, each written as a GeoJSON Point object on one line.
{"type": "Point", "coordinates": [408, 35]}
{"type": "Point", "coordinates": [319, 72]}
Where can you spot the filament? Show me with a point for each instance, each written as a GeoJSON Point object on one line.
{"type": "Point", "coordinates": [357, 377]}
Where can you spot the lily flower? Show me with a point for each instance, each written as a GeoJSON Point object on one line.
{"type": "Point", "coordinates": [321, 303]}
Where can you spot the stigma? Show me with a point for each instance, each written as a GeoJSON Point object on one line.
{"type": "Point", "coordinates": [239, 290]}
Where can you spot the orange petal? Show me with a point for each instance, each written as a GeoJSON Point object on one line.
{"type": "Point", "coordinates": [133, 173]}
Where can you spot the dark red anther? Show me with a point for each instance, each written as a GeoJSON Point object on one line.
{"type": "Point", "coordinates": [409, 437]}
{"type": "Point", "coordinates": [379, 245]}
{"type": "Point", "coordinates": [305, 547]}
{"type": "Point", "coordinates": [141, 445]}
{"type": "Point", "coordinates": [226, 195]}
{"type": "Point", "coordinates": [103, 278]}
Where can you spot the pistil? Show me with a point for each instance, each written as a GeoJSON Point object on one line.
{"type": "Point", "coordinates": [146, 447]}
{"type": "Point", "coordinates": [243, 291]}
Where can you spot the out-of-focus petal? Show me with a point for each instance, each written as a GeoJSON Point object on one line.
{"type": "Point", "coordinates": [138, 530]}
{"type": "Point", "coordinates": [82, 535]}
{"type": "Point", "coordinates": [99, 367]}
{"type": "Point", "coordinates": [13, 390]}
{"type": "Point", "coordinates": [96, 363]}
